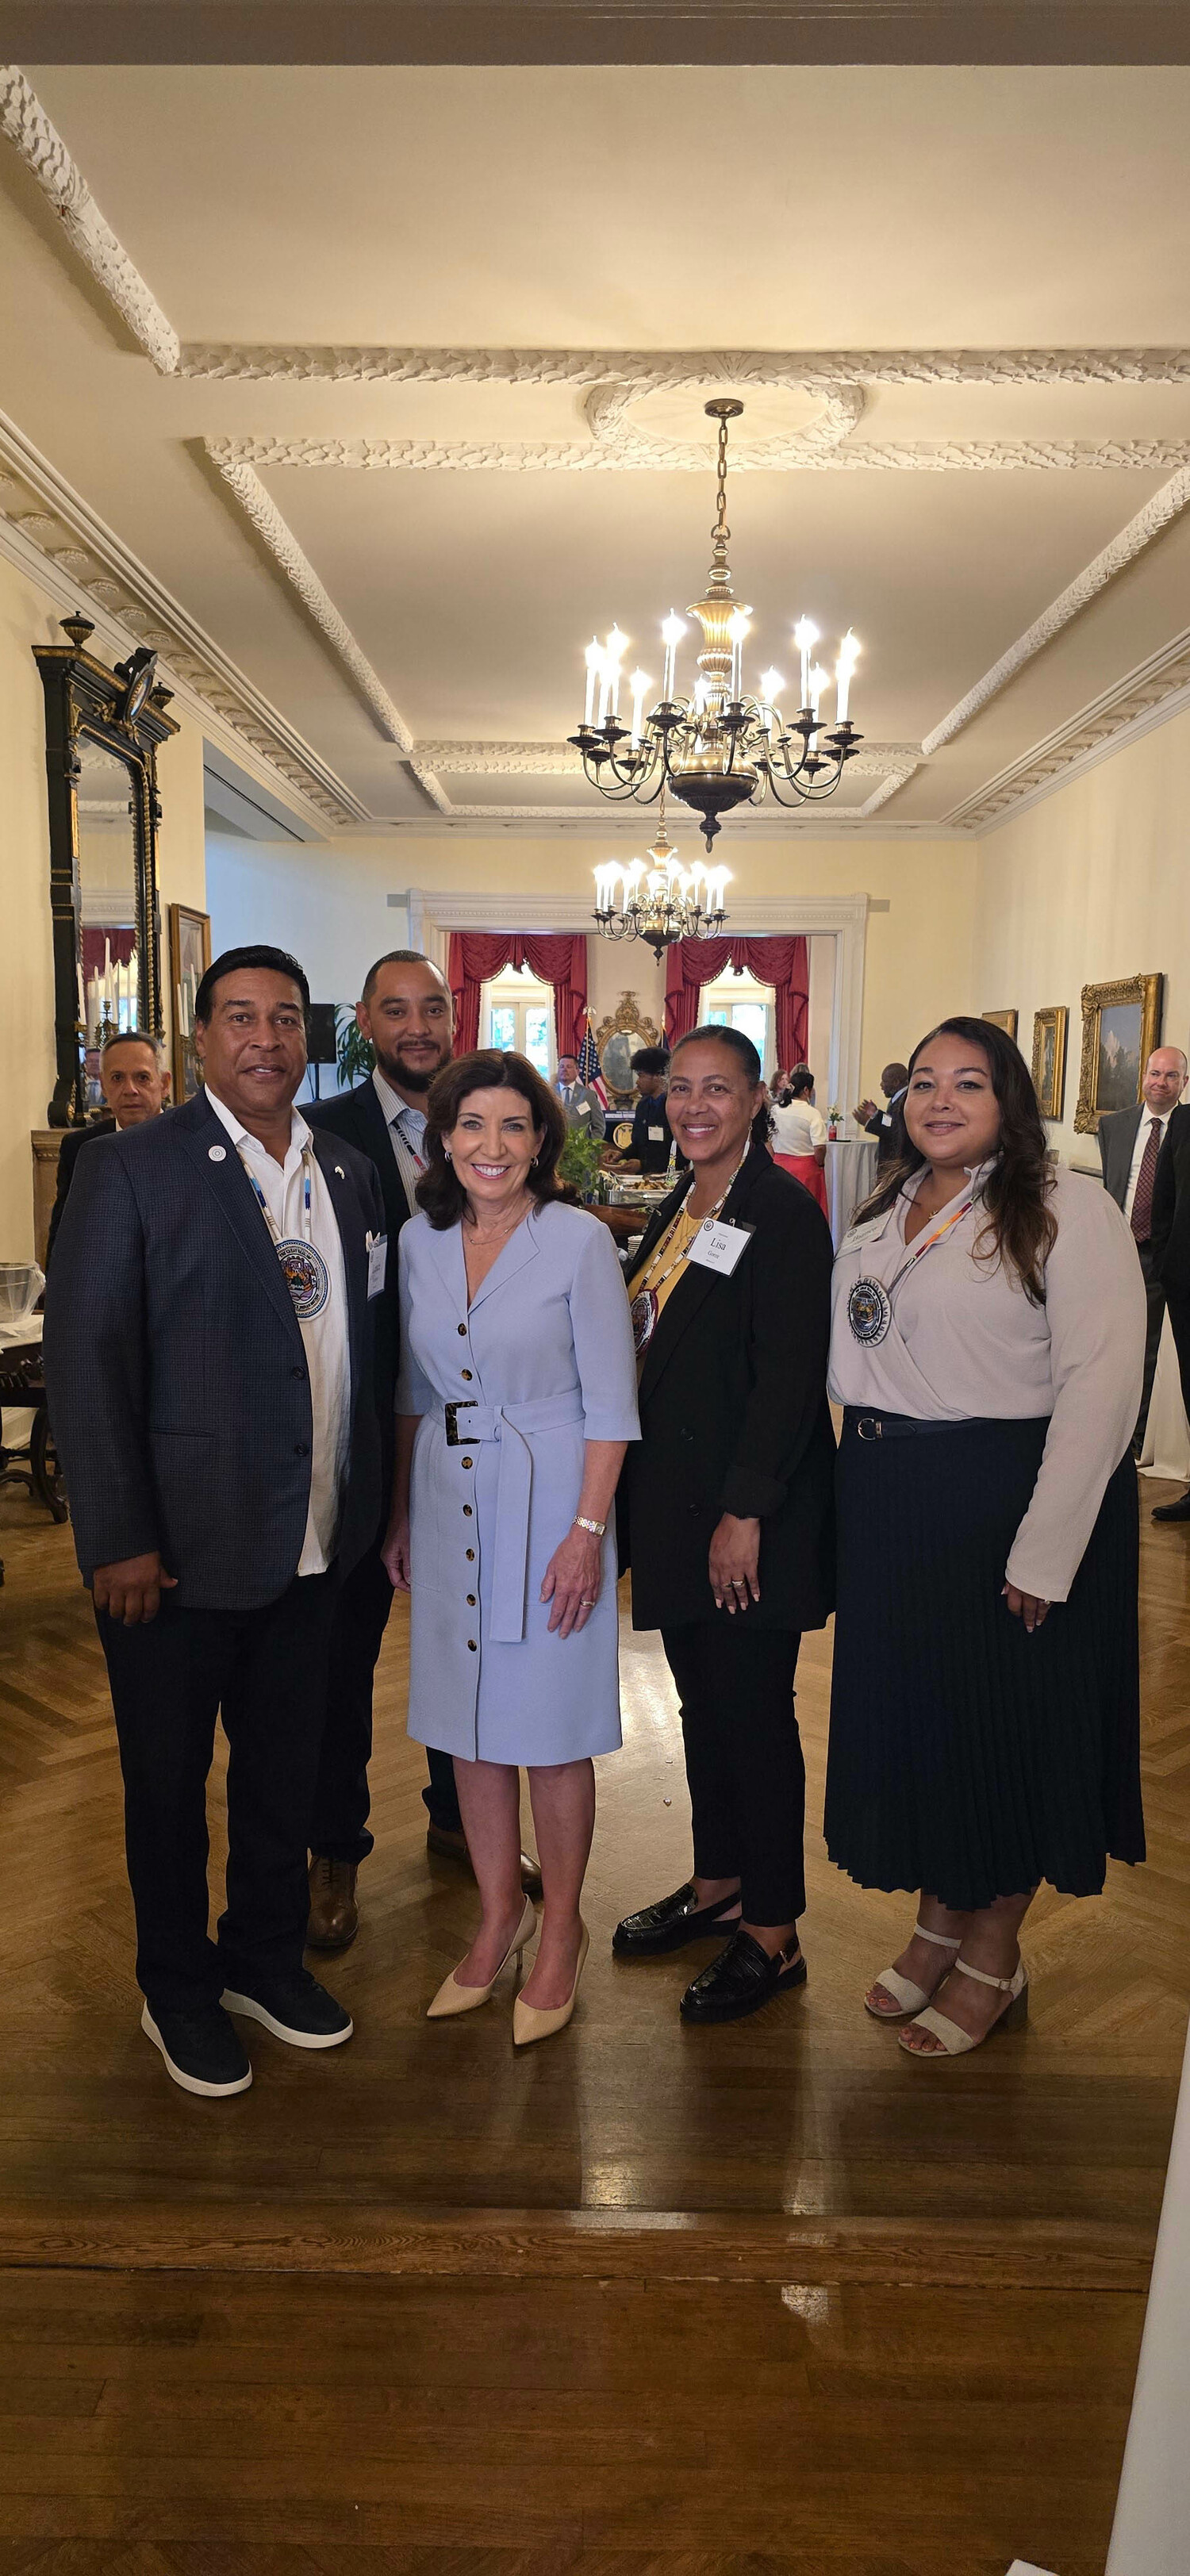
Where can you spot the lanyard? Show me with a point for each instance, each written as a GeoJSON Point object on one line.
{"type": "Point", "coordinates": [656, 1285]}
{"type": "Point", "coordinates": [920, 1249]}
{"type": "Point", "coordinates": [263, 1204]}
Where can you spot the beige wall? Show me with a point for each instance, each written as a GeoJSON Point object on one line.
{"type": "Point", "coordinates": [1092, 883]}
{"type": "Point", "coordinates": [330, 905]}
{"type": "Point", "coordinates": [29, 617]}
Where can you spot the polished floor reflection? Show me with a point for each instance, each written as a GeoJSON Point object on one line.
{"type": "Point", "coordinates": [648, 2290]}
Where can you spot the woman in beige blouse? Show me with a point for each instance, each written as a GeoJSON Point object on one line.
{"type": "Point", "coordinates": [987, 1343]}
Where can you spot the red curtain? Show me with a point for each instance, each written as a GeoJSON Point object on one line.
{"type": "Point", "coordinates": [556, 957]}
{"type": "Point", "coordinates": [783, 963]}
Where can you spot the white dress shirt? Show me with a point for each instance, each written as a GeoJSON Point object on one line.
{"type": "Point", "coordinates": [325, 1337]}
{"type": "Point", "coordinates": [1147, 1116]}
{"type": "Point", "coordinates": [965, 1343]}
{"type": "Point", "coordinates": [407, 1135]}
{"type": "Point", "coordinates": [799, 1128]}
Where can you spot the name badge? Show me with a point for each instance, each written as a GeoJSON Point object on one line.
{"type": "Point", "coordinates": [377, 1264]}
{"type": "Point", "coordinates": [717, 1246]}
{"type": "Point", "coordinates": [857, 1234]}
{"type": "Point", "coordinates": [584, 1108]}
{"type": "Point", "coordinates": [656, 1135]}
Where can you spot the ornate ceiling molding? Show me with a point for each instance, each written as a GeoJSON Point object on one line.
{"type": "Point", "coordinates": [1150, 693]}
{"type": "Point", "coordinates": [23, 119]}
{"type": "Point", "coordinates": [559, 760]}
{"type": "Point", "coordinates": [1131, 540]}
{"type": "Point", "coordinates": [794, 454]}
{"type": "Point", "coordinates": [645, 371]}
{"type": "Point", "coordinates": [41, 514]}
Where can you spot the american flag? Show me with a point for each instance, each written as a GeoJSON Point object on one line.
{"type": "Point", "coordinates": [590, 1070]}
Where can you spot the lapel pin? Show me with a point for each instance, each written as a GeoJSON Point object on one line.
{"type": "Point", "coordinates": [216, 1153]}
{"type": "Point", "coordinates": [340, 1174]}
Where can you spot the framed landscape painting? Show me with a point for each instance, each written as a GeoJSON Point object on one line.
{"type": "Point", "coordinates": [1121, 1026]}
{"type": "Point", "coordinates": [1049, 1058]}
{"type": "Point", "coordinates": [1005, 1020]}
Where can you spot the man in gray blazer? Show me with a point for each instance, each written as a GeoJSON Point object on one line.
{"type": "Point", "coordinates": [581, 1104]}
{"type": "Point", "coordinates": [209, 1364]}
{"type": "Point", "coordinates": [1130, 1141]}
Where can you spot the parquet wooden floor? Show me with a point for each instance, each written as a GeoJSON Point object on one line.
{"type": "Point", "coordinates": [647, 2302]}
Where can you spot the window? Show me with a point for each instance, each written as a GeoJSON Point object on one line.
{"type": "Point", "coordinates": [517, 1014]}
{"type": "Point", "coordinates": [737, 1001]}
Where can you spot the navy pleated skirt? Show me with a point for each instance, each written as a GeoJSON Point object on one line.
{"type": "Point", "coordinates": [967, 1757]}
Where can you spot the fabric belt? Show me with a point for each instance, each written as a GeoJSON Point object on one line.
{"type": "Point", "coordinates": [512, 1425]}
{"type": "Point", "coordinates": [908, 1426]}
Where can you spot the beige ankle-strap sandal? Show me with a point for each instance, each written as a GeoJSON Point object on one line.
{"type": "Point", "coordinates": [909, 1998]}
{"type": "Point", "coordinates": [954, 2042]}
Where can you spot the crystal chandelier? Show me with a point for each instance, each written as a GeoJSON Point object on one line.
{"type": "Point", "coordinates": [717, 748]}
{"type": "Point", "coordinates": [657, 899]}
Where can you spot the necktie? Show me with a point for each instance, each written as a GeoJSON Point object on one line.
{"type": "Point", "coordinates": [1142, 1205]}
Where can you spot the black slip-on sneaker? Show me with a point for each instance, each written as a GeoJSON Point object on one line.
{"type": "Point", "coordinates": [296, 2009]}
{"type": "Point", "coordinates": [202, 2049]}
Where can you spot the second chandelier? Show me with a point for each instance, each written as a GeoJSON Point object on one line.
{"type": "Point", "coordinates": [718, 748]}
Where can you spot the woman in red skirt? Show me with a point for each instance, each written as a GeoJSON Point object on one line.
{"type": "Point", "coordinates": [799, 1136]}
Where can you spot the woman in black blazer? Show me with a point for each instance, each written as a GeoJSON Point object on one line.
{"type": "Point", "coordinates": [726, 1515]}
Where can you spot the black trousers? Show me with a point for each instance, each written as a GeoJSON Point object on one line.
{"type": "Point", "coordinates": [265, 1670]}
{"type": "Point", "coordinates": [1178, 1302]}
{"type": "Point", "coordinates": [1155, 1296]}
{"type": "Point", "coordinates": [744, 1763]}
{"type": "Point", "coordinates": [339, 1816]}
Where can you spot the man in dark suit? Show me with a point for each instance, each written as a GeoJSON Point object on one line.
{"type": "Point", "coordinates": [885, 1124]}
{"type": "Point", "coordinates": [1171, 1259]}
{"type": "Point", "coordinates": [208, 1350]}
{"type": "Point", "coordinates": [135, 1086]}
{"type": "Point", "coordinates": [1130, 1141]}
{"type": "Point", "coordinates": [407, 1012]}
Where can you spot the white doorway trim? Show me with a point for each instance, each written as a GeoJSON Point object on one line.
{"type": "Point", "coordinates": [435, 912]}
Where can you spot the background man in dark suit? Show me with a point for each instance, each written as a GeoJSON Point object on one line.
{"type": "Point", "coordinates": [1130, 1141]}
{"type": "Point", "coordinates": [135, 1086]}
{"type": "Point", "coordinates": [1171, 1261]}
{"type": "Point", "coordinates": [884, 1124]}
{"type": "Point", "coordinates": [208, 1350]}
{"type": "Point", "coordinates": [407, 1012]}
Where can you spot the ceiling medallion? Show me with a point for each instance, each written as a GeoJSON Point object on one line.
{"type": "Point", "coordinates": [671, 903]}
{"type": "Point", "coordinates": [717, 749]}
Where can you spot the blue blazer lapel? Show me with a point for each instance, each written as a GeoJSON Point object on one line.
{"type": "Point", "coordinates": [213, 1155]}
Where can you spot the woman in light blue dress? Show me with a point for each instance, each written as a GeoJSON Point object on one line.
{"type": "Point", "coordinates": [516, 1400]}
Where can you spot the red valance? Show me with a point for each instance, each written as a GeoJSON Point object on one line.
{"type": "Point", "coordinates": [556, 957]}
{"type": "Point", "coordinates": [783, 963]}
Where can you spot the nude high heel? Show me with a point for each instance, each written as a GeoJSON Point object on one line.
{"type": "Point", "coordinates": [529, 2024]}
{"type": "Point", "coordinates": [453, 1998]}
{"type": "Point", "coordinates": [956, 2042]}
{"type": "Point", "coordinates": [909, 1998]}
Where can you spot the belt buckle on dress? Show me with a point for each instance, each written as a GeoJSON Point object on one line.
{"type": "Point", "coordinates": [465, 1404]}
{"type": "Point", "coordinates": [869, 1427]}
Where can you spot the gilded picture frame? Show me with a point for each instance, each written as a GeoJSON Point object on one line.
{"type": "Point", "coordinates": [1049, 1058]}
{"type": "Point", "coordinates": [1006, 1020]}
{"type": "Point", "coordinates": [1121, 1027]}
{"type": "Point", "coordinates": [189, 958]}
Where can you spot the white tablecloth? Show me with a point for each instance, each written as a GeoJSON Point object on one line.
{"type": "Point", "coordinates": [850, 1174]}
{"type": "Point", "coordinates": [1167, 1436]}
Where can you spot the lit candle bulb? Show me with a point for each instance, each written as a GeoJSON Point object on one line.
{"type": "Point", "coordinates": [805, 636]}
{"type": "Point", "coordinates": [844, 671]}
{"type": "Point", "coordinates": [771, 685]}
{"type": "Point", "coordinates": [738, 626]}
{"type": "Point", "coordinates": [638, 684]}
{"type": "Point", "coordinates": [672, 632]}
{"type": "Point", "coordinates": [613, 654]}
{"type": "Point", "coordinates": [594, 667]}
{"type": "Point", "coordinates": [819, 680]}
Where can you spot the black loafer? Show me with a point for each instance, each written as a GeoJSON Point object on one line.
{"type": "Point", "coordinates": [741, 1980]}
{"type": "Point", "coordinates": [1179, 1511]}
{"type": "Point", "coordinates": [669, 1925]}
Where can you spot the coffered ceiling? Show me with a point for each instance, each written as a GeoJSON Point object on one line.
{"type": "Point", "coordinates": [369, 394]}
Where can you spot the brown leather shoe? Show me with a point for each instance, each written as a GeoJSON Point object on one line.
{"type": "Point", "coordinates": [453, 1846]}
{"type": "Point", "coordinates": [334, 1914]}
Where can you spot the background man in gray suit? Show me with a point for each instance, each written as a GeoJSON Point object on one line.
{"type": "Point", "coordinates": [208, 1353]}
{"type": "Point", "coordinates": [580, 1103]}
{"type": "Point", "coordinates": [1130, 1141]}
{"type": "Point", "coordinates": [135, 1086]}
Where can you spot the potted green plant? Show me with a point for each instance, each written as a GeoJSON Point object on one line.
{"type": "Point", "coordinates": [355, 1053]}
{"type": "Point", "coordinates": [580, 1160]}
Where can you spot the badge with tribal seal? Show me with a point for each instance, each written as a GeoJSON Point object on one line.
{"type": "Point", "coordinates": [869, 1312]}
{"type": "Point", "coordinates": [306, 1277]}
